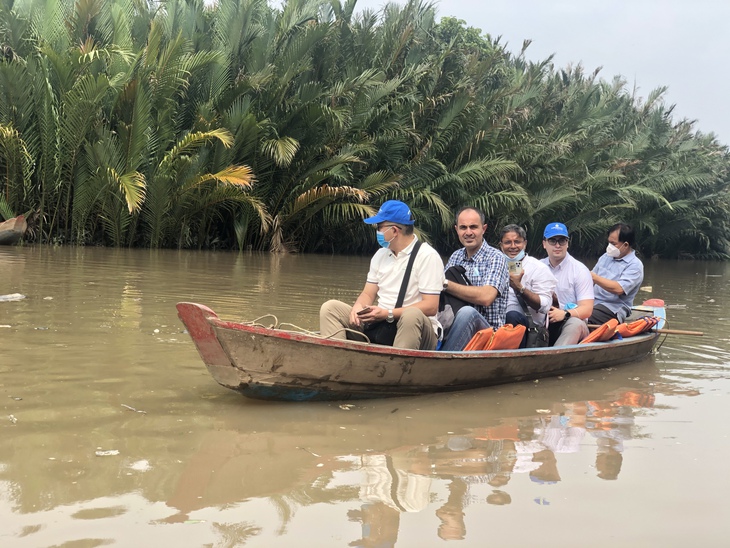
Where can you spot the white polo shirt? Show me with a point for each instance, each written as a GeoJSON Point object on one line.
{"type": "Point", "coordinates": [574, 280]}
{"type": "Point", "coordinates": [427, 276]}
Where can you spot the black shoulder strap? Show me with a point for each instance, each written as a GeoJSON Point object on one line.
{"type": "Point", "coordinates": [523, 304]}
{"type": "Point", "coordinates": [407, 275]}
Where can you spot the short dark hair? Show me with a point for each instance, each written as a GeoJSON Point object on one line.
{"type": "Point", "coordinates": [482, 218]}
{"type": "Point", "coordinates": [625, 233]}
{"type": "Point", "coordinates": [521, 232]}
{"type": "Point", "coordinates": [405, 229]}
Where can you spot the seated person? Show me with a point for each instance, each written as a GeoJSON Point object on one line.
{"type": "Point", "coordinates": [567, 320]}
{"type": "Point", "coordinates": [528, 278]}
{"type": "Point", "coordinates": [417, 325]}
{"type": "Point", "coordinates": [486, 269]}
{"type": "Point", "coordinates": [617, 276]}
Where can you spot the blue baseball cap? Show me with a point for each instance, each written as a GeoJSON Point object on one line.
{"type": "Point", "coordinates": [555, 229]}
{"type": "Point", "coordinates": [392, 211]}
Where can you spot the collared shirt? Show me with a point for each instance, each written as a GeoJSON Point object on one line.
{"type": "Point", "coordinates": [628, 271]}
{"type": "Point", "coordinates": [574, 280]}
{"type": "Point", "coordinates": [538, 279]}
{"type": "Point", "coordinates": [487, 267]}
{"type": "Point", "coordinates": [387, 271]}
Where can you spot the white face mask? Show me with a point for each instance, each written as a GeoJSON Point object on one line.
{"type": "Point", "coordinates": [518, 257]}
{"type": "Point", "coordinates": [613, 251]}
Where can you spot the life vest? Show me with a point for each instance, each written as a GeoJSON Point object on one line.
{"type": "Point", "coordinates": [638, 326]}
{"type": "Point", "coordinates": [603, 332]}
{"type": "Point", "coordinates": [480, 339]}
{"type": "Point", "coordinates": [507, 337]}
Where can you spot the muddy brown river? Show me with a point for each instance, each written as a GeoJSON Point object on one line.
{"type": "Point", "coordinates": [112, 433]}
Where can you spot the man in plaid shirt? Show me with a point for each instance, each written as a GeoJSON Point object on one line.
{"type": "Point", "coordinates": [486, 269]}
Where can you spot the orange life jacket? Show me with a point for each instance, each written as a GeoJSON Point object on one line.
{"type": "Point", "coordinates": [603, 332]}
{"type": "Point", "coordinates": [638, 326]}
{"type": "Point", "coordinates": [507, 337]}
{"type": "Point", "coordinates": [480, 339]}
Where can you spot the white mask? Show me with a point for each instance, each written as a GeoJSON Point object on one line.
{"type": "Point", "coordinates": [613, 251]}
{"type": "Point", "coordinates": [518, 257]}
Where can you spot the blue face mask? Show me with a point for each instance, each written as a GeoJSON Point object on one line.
{"type": "Point", "coordinates": [381, 239]}
{"type": "Point", "coordinates": [518, 257]}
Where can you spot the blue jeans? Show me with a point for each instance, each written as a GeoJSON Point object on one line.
{"type": "Point", "coordinates": [466, 324]}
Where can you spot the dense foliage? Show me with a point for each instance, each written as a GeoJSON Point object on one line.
{"type": "Point", "coordinates": [242, 124]}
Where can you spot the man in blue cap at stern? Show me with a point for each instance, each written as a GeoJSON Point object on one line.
{"type": "Point", "coordinates": [414, 318]}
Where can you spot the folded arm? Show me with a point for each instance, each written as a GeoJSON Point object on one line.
{"type": "Point", "coordinates": [483, 295]}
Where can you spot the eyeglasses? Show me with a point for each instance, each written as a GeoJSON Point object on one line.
{"type": "Point", "coordinates": [558, 241]}
{"type": "Point", "coordinates": [383, 227]}
{"type": "Point", "coordinates": [510, 243]}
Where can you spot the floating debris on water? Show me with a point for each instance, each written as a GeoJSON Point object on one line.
{"type": "Point", "coordinates": [133, 409]}
{"type": "Point", "coordinates": [141, 465]}
{"type": "Point", "coordinates": [308, 451]}
{"type": "Point", "coordinates": [108, 453]}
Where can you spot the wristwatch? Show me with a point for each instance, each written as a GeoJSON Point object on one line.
{"type": "Point", "coordinates": [446, 284]}
{"type": "Point", "coordinates": [567, 315]}
{"type": "Point", "coordinates": [522, 290]}
{"type": "Point", "coordinates": [390, 318]}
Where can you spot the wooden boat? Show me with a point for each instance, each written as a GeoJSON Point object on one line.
{"type": "Point", "coordinates": [12, 230]}
{"type": "Point", "coordinates": [275, 364]}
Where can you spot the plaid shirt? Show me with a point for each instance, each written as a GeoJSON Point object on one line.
{"type": "Point", "coordinates": [487, 267]}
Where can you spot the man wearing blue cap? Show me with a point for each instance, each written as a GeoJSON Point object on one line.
{"type": "Point", "coordinates": [574, 292]}
{"type": "Point", "coordinates": [417, 327]}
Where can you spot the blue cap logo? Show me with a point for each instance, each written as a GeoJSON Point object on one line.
{"type": "Point", "coordinates": [555, 229]}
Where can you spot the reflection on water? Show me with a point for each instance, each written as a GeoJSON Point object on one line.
{"type": "Point", "coordinates": [118, 434]}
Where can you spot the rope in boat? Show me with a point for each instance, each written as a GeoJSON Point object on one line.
{"type": "Point", "coordinates": [348, 330]}
{"type": "Point", "coordinates": [272, 326]}
{"type": "Point", "coordinates": [656, 349]}
{"type": "Point", "coordinates": [299, 329]}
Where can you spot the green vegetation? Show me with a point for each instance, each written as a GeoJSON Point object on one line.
{"type": "Point", "coordinates": [242, 125]}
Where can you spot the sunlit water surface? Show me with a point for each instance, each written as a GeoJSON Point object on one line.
{"type": "Point", "coordinates": [113, 433]}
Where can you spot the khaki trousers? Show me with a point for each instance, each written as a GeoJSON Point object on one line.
{"type": "Point", "coordinates": [574, 330]}
{"type": "Point", "coordinates": [414, 328]}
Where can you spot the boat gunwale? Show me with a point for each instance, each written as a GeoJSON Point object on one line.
{"type": "Point", "coordinates": [363, 347]}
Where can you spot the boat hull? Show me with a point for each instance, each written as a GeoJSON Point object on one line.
{"type": "Point", "coordinates": [12, 230]}
{"type": "Point", "coordinates": [273, 364]}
